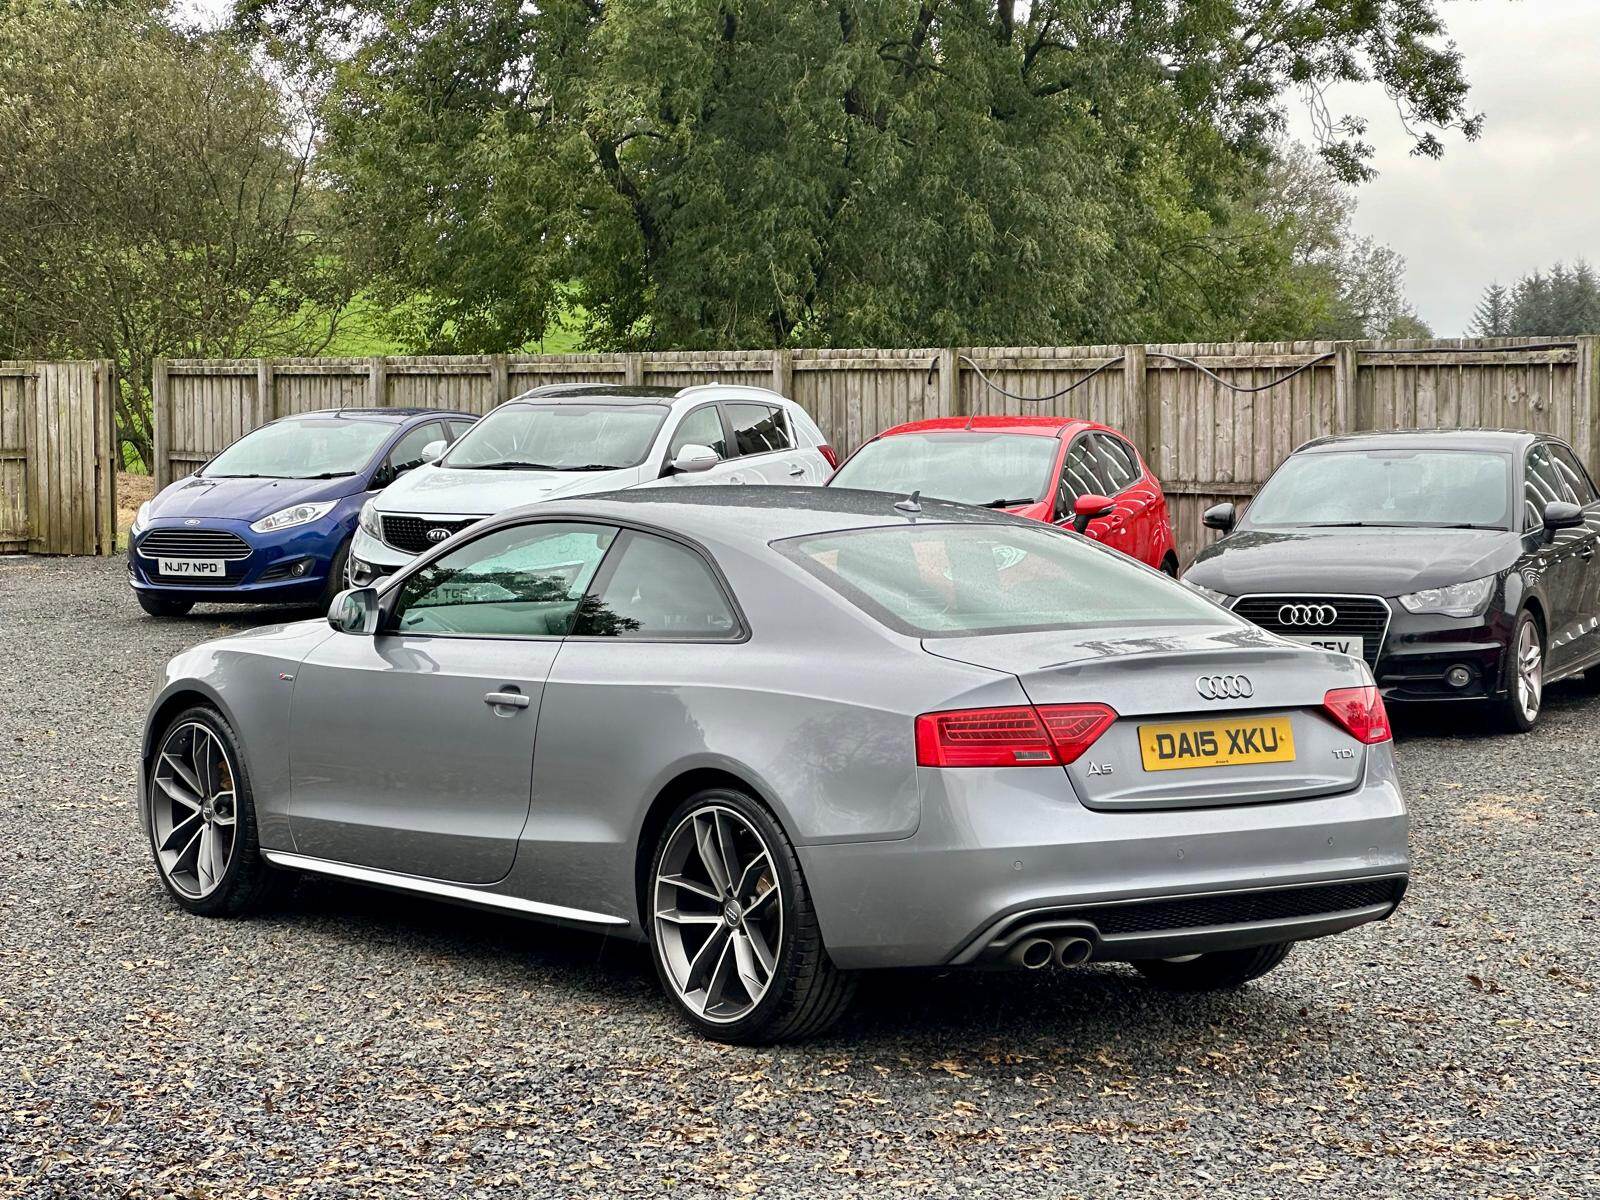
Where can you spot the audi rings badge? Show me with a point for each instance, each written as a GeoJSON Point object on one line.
{"type": "Point", "coordinates": [1307, 614]}
{"type": "Point", "coordinates": [1225, 687]}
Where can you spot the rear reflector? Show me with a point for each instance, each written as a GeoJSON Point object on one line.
{"type": "Point", "coordinates": [1050, 735]}
{"type": "Point", "coordinates": [1359, 712]}
{"type": "Point", "coordinates": [827, 453]}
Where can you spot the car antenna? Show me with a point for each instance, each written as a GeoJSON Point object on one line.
{"type": "Point", "coordinates": [912, 505]}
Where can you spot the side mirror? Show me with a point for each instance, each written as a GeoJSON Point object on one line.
{"type": "Point", "coordinates": [1089, 507]}
{"type": "Point", "coordinates": [1220, 516]}
{"type": "Point", "coordinates": [693, 458]}
{"type": "Point", "coordinates": [434, 450]}
{"type": "Point", "coordinates": [355, 610]}
{"type": "Point", "coordinates": [1559, 514]}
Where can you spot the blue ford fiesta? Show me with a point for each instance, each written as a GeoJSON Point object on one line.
{"type": "Point", "coordinates": [269, 520]}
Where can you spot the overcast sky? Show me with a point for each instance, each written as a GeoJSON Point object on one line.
{"type": "Point", "coordinates": [1524, 195]}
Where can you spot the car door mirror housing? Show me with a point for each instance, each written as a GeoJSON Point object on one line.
{"type": "Point", "coordinates": [434, 450]}
{"type": "Point", "coordinates": [1220, 516]}
{"type": "Point", "coordinates": [693, 458]}
{"type": "Point", "coordinates": [1089, 507]}
{"type": "Point", "coordinates": [355, 610]}
{"type": "Point", "coordinates": [1561, 514]}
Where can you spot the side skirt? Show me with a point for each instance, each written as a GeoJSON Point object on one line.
{"type": "Point", "coordinates": [436, 888]}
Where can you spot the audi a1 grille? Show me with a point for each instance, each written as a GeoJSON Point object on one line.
{"type": "Point", "coordinates": [1365, 617]}
{"type": "Point", "coordinates": [193, 543]}
{"type": "Point", "coordinates": [411, 533]}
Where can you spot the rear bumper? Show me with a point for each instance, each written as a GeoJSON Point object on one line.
{"type": "Point", "coordinates": [999, 852]}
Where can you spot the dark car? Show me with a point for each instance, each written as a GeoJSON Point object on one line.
{"type": "Point", "coordinates": [269, 520]}
{"type": "Point", "coordinates": [1460, 564]}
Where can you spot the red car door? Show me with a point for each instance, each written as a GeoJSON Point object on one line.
{"type": "Point", "coordinates": [1082, 474]}
{"type": "Point", "coordinates": [1135, 496]}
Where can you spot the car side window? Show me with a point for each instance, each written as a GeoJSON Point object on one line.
{"type": "Point", "coordinates": [1119, 464]}
{"type": "Point", "coordinates": [758, 428]}
{"type": "Point", "coordinates": [655, 588]}
{"type": "Point", "coordinates": [407, 452]}
{"type": "Point", "coordinates": [457, 428]}
{"type": "Point", "coordinates": [1542, 485]}
{"type": "Point", "coordinates": [525, 581]}
{"type": "Point", "coordinates": [702, 427]}
{"type": "Point", "coordinates": [1080, 475]}
{"type": "Point", "coordinates": [1572, 471]}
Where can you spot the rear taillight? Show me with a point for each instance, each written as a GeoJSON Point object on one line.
{"type": "Point", "coordinates": [827, 453]}
{"type": "Point", "coordinates": [1359, 712]}
{"type": "Point", "coordinates": [1049, 735]}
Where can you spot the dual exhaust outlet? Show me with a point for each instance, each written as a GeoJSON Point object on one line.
{"type": "Point", "coordinates": [1035, 953]}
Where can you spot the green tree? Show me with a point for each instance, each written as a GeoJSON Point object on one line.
{"type": "Point", "coordinates": [1561, 302]}
{"type": "Point", "coordinates": [1492, 317]}
{"type": "Point", "coordinates": [155, 199]}
{"type": "Point", "coordinates": [759, 172]}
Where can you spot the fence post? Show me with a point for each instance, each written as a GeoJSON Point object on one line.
{"type": "Point", "coordinates": [1146, 421]}
{"type": "Point", "coordinates": [377, 382]}
{"type": "Point", "coordinates": [633, 369]}
{"type": "Point", "coordinates": [783, 372]}
{"type": "Point", "coordinates": [161, 422]}
{"type": "Point", "coordinates": [266, 400]}
{"type": "Point", "coordinates": [108, 459]}
{"type": "Point", "coordinates": [1346, 395]}
{"type": "Point", "coordinates": [1589, 396]}
{"type": "Point", "coordinates": [499, 381]}
{"type": "Point", "coordinates": [950, 395]}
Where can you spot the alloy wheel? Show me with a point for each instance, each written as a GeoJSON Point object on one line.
{"type": "Point", "coordinates": [1530, 670]}
{"type": "Point", "coordinates": [194, 809]}
{"type": "Point", "coordinates": [718, 913]}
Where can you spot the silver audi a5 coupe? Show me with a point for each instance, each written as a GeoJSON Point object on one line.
{"type": "Point", "coordinates": [784, 735]}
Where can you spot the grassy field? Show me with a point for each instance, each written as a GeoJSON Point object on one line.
{"type": "Point", "coordinates": [362, 332]}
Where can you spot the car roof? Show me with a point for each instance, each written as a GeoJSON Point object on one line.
{"type": "Point", "coordinates": [1505, 440]}
{"type": "Point", "coordinates": [1042, 426]}
{"type": "Point", "coordinates": [643, 393]}
{"type": "Point", "coordinates": [393, 416]}
{"type": "Point", "coordinates": [753, 516]}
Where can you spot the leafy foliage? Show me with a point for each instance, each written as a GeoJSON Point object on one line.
{"type": "Point", "coordinates": [155, 199]}
{"type": "Point", "coordinates": [758, 172]}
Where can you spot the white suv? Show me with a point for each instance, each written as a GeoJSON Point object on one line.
{"type": "Point", "coordinates": [576, 439]}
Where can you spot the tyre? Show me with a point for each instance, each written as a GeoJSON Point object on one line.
{"type": "Point", "coordinates": [336, 583]}
{"type": "Point", "coordinates": [162, 606]}
{"type": "Point", "coordinates": [1518, 710]}
{"type": "Point", "coordinates": [1214, 972]}
{"type": "Point", "coordinates": [732, 930]}
{"type": "Point", "coordinates": [1169, 567]}
{"type": "Point", "coordinates": [201, 820]}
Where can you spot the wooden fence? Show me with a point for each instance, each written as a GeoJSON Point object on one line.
{"type": "Point", "coordinates": [1212, 419]}
{"type": "Point", "coordinates": [57, 442]}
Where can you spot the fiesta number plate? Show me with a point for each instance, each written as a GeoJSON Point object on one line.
{"type": "Point", "coordinates": [191, 566]}
{"type": "Point", "coordinates": [1231, 742]}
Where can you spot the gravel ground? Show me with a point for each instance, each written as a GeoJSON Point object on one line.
{"type": "Point", "coordinates": [357, 1044]}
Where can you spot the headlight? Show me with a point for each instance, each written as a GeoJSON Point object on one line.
{"type": "Point", "coordinates": [298, 514]}
{"type": "Point", "coordinates": [141, 518]}
{"type": "Point", "coordinates": [1221, 598]}
{"type": "Point", "coordinates": [369, 519]}
{"type": "Point", "coordinates": [1457, 600]}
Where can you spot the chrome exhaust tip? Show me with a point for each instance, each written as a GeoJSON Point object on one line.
{"type": "Point", "coordinates": [1032, 953]}
{"type": "Point", "coordinates": [1073, 951]}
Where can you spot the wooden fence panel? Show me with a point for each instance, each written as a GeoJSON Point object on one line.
{"type": "Point", "coordinates": [853, 394]}
{"type": "Point", "coordinates": [57, 485]}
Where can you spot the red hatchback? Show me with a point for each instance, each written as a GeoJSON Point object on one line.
{"type": "Point", "coordinates": [1063, 470]}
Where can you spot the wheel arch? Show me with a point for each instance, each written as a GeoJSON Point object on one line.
{"type": "Point", "coordinates": [186, 694]}
{"type": "Point", "coordinates": [676, 790]}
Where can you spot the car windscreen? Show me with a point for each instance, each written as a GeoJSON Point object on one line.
{"type": "Point", "coordinates": [303, 448]}
{"type": "Point", "coordinates": [956, 579]}
{"type": "Point", "coordinates": [969, 467]}
{"type": "Point", "coordinates": [559, 437]}
{"type": "Point", "coordinates": [1387, 487]}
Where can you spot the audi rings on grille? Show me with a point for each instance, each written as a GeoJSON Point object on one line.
{"type": "Point", "coordinates": [1307, 614]}
{"type": "Point", "coordinates": [1224, 687]}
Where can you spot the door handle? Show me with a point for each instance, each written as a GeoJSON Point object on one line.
{"type": "Point", "coordinates": [1586, 551]}
{"type": "Point", "coordinates": [796, 472]}
{"type": "Point", "coordinates": [514, 699]}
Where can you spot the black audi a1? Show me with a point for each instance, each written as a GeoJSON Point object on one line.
{"type": "Point", "coordinates": [1460, 564]}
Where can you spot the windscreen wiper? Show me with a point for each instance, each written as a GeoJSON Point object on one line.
{"type": "Point", "coordinates": [324, 475]}
{"type": "Point", "coordinates": [1006, 503]}
{"type": "Point", "coordinates": [507, 465]}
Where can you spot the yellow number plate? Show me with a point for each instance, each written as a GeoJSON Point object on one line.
{"type": "Point", "coordinates": [1229, 743]}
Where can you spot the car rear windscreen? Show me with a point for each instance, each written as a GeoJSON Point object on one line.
{"type": "Point", "coordinates": [969, 467]}
{"type": "Point", "coordinates": [955, 579]}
